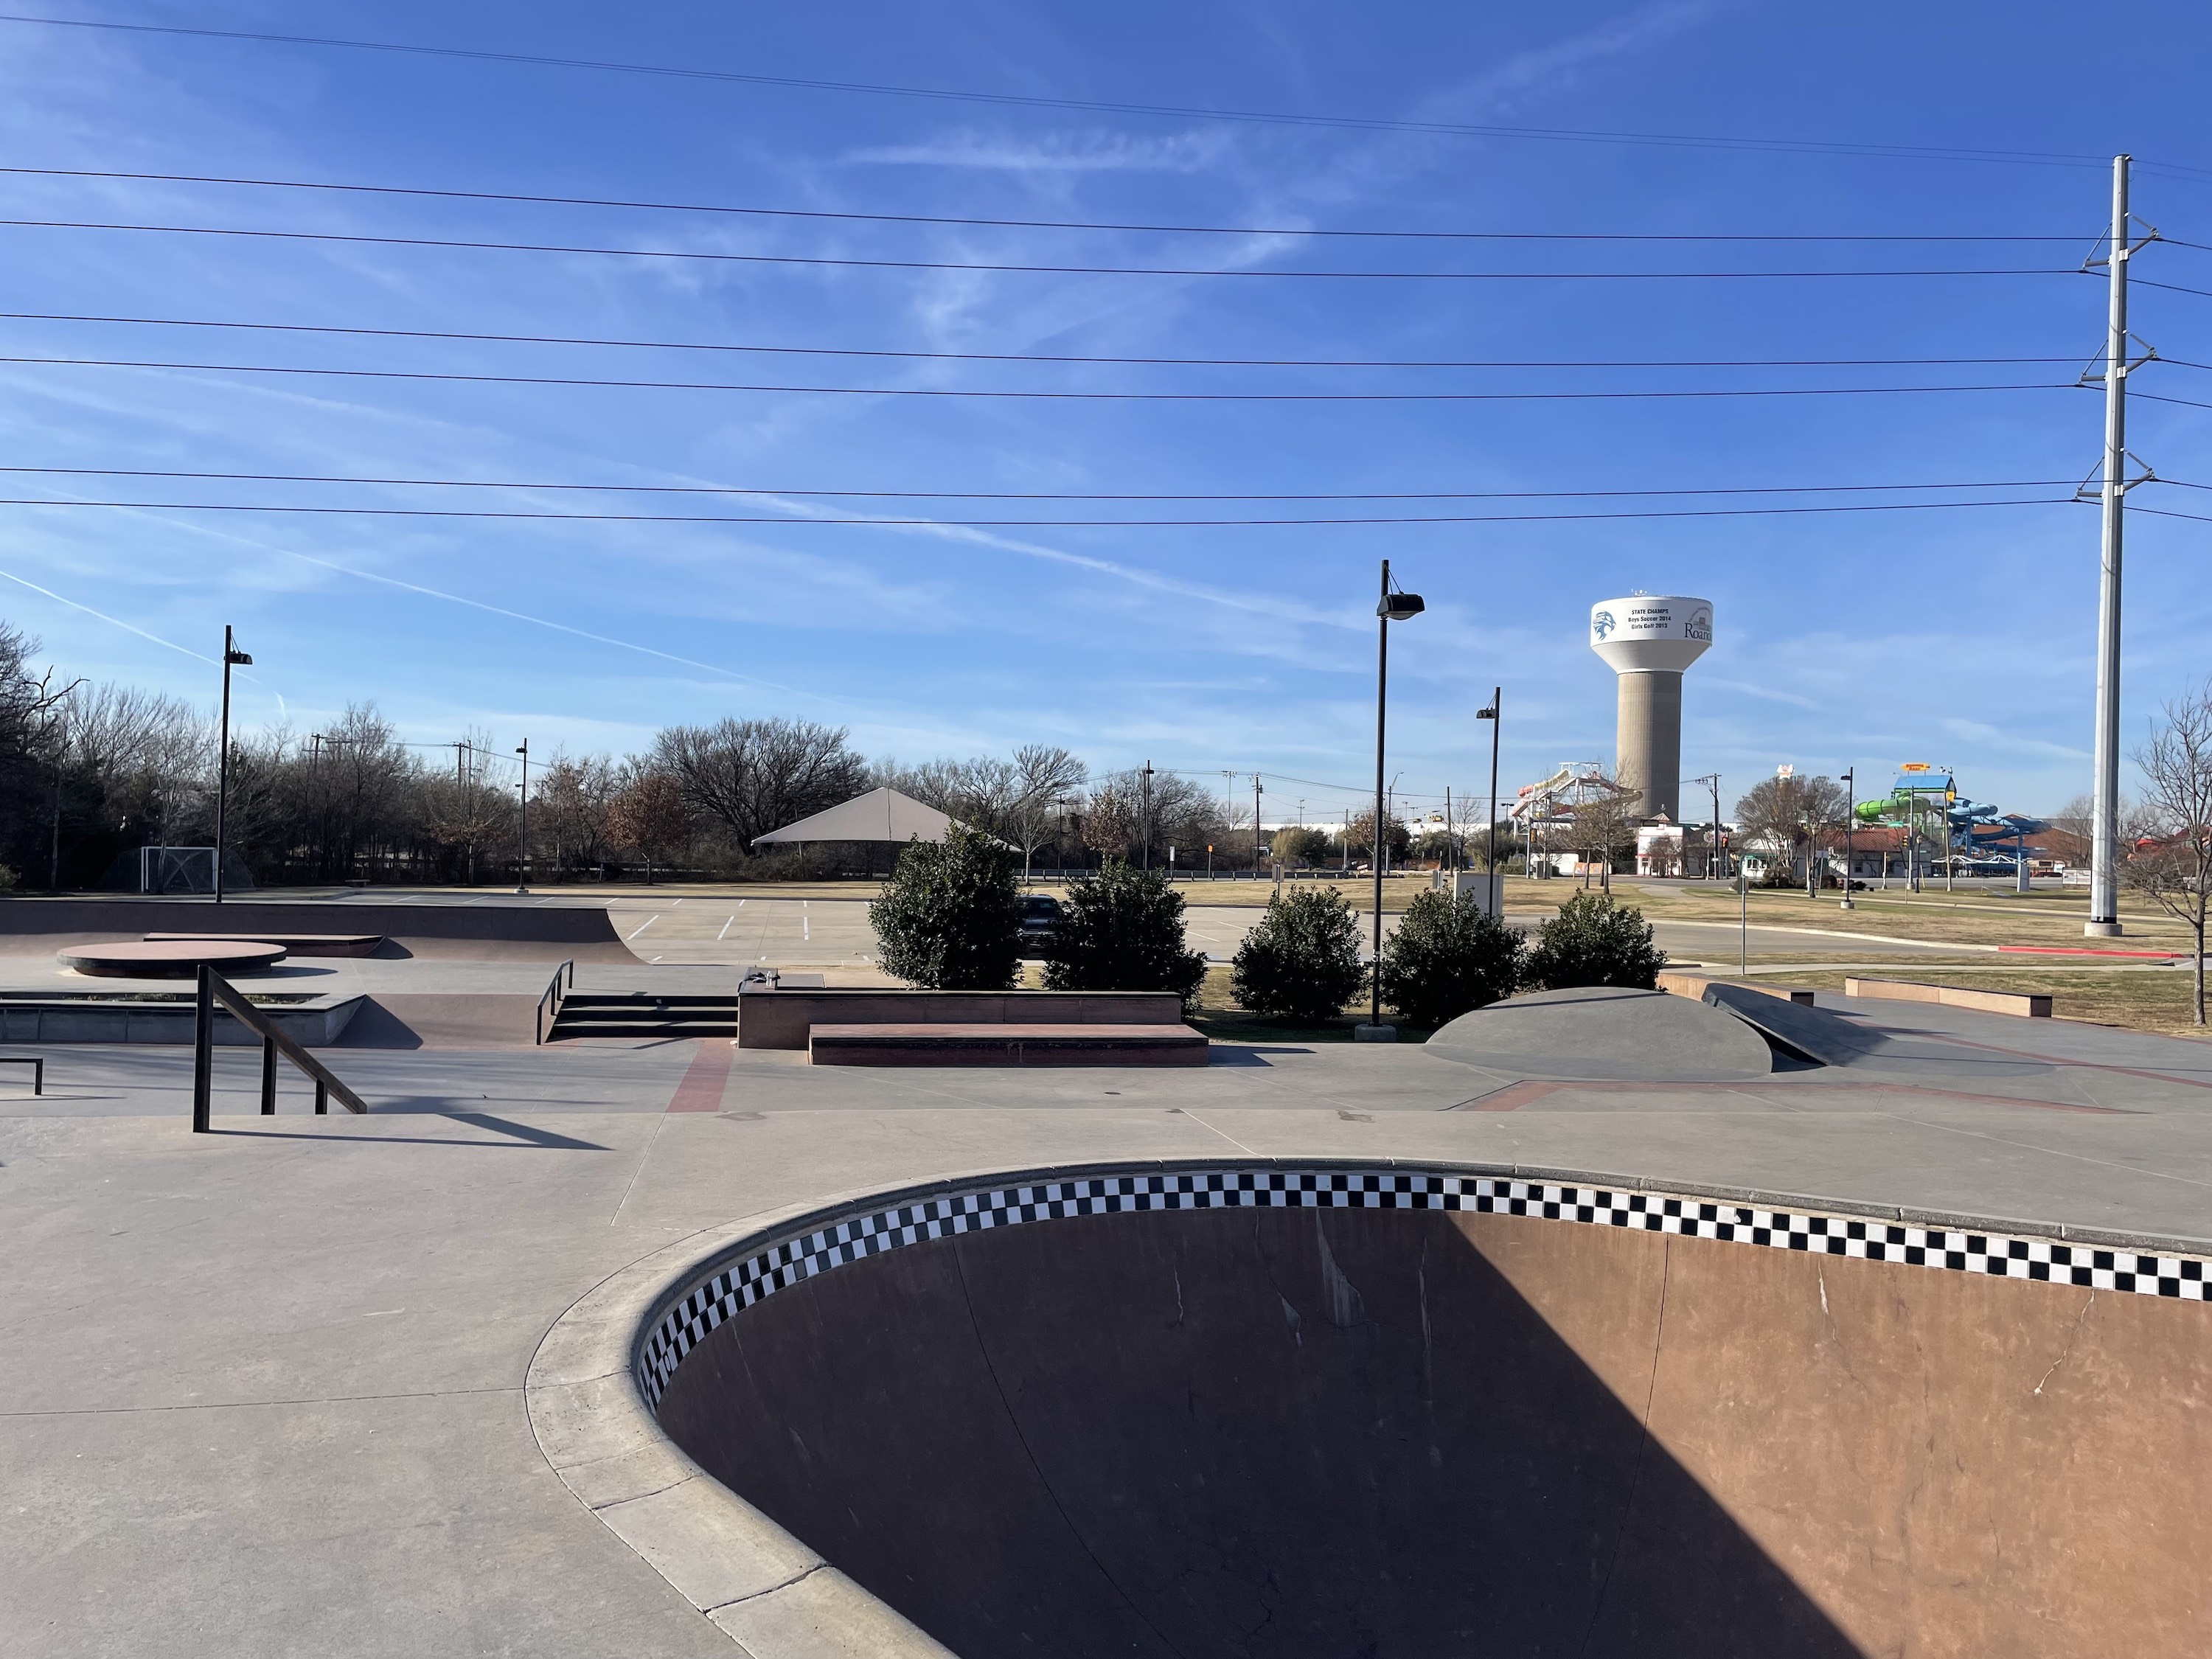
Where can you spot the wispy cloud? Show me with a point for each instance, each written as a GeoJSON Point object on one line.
{"type": "Point", "coordinates": [1075, 152]}
{"type": "Point", "coordinates": [131, 627]}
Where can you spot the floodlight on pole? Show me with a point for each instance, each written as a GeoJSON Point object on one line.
{"type": "Point", "coordinates": [232, 657]}
{"type": "Point", "coordinates": [1849, 780]}
{"type": "Point", "coordinates": [1492, 715]}
{"type": "Point", "coordinates": [522, 866]}
{"type": "Point", "coordinates": [1395, 606]}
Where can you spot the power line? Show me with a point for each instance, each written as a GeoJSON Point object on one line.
{"type": "Point", "coordinates": [2185, 403]}
{"type": "Point", "coordinates": [1454, 129]}
{"type": "Point", "coordinates": [1040, 495]}
{"type": "Point", "coordinates": [1003, 267]}
{"type": "Point", "coordinates": [1022, 524]}
{"type": "Point", "coordinates": [1044, 396]}
{"type": "Point", "coordinates": [2171, 288]}
{"type": "Point", "coordinates": [1022, 224]}
{"type": "Point", "coordinates": [1057, 357]}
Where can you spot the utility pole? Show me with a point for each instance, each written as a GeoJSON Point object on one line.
{"type": "Point", "coordinates": [1714, 866]}
{"type": "Point", "coordinates": [2104, 900]}
{"type": "Point", "coordinates": [1255, 826]}
{"type": "Point", "coordinates": [231, 656]}
{"type": "Point", "coordinates": [1449, 844]}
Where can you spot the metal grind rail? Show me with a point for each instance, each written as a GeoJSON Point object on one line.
{"type": "Point", "coordinates": [555, 994]}
{"type": "Point", "coordinates": [213, 989]}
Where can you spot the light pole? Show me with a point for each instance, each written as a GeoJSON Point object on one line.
{"type": "Point", "coordinates": [232, 657]}
{"type": "Point", "coordinates": [522, 863]}
{"type": "Point", "coordinates": [1492, 715]}
{"type": "Point", "coordinates": [1850, 811]}
{"type": "Point", "coordinates": [1391, 607]}
{"type": "Point", "coordinates": [1145, 813]}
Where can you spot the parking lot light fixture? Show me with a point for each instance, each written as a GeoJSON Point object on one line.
{"type": "Point", "coordinates": [1395, 606]}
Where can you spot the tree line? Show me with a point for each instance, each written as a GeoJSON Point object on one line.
{"type": "Point", "coordinates": [89, 772]}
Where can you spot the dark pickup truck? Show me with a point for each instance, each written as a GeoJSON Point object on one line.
{"type": "Point", "coordinates": [1040, 921]}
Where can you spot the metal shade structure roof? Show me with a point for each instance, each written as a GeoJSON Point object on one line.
{"type": "Point", "coordinates": [880, 815]}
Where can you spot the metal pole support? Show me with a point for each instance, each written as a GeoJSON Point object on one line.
{"type": "Point", "coordinates": [203, 1052]}
{"type": "Point", "coordinates": [268, 1078]}
{"type": "Point", "coordinates": [322, 1098]}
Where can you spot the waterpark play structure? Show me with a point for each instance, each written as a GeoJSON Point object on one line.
{"type": "Point", "coordinates": [1943, 827]}
{"type": "Point", "coordinates": [1935, 829]}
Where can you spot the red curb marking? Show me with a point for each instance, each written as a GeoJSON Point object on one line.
{"type": "Point", "coordinates": [707, 1076]}
{"type": "Point", "coordinates": [2071, 951]}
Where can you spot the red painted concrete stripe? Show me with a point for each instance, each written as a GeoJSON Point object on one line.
{"type": "Point", "coordinates": [709, 1074]}
{"type": "Point", "coordinates": [1511, 1097]}
{"type": "Point", "coordinates": [2075, 951]}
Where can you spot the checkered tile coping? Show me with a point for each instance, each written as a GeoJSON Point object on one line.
{"type": "Point", "coordinates": [788, 1260]}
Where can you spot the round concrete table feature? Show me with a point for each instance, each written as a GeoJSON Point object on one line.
{"type": "Point", "coordinates": [170, 958]}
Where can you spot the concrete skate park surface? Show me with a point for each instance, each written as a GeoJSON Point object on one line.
{"type": "Point", "coordinates": [365, 1386]}
{"type": "Point", "coordinates": [469, 930]}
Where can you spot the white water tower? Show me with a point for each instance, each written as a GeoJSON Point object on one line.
{"type": "Point", "coordinates": [1647, 640]}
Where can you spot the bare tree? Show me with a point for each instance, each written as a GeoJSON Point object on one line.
{"type": "Point", "coordinates": [2071, 829]}
{"type": "Point", "coordinates": [1605, 823]}
{"type": "Point", "coordinates": [2171, 861]}
{"type": "Point", "coordinates": [752, 776]}
{"type": "Point", "coordinates": [572, 804]}
{"type": "Point", "coordinates": [1359, 835]}
{"type": "Point", "coordinates": [1124, 813]}
{"type": "Point", "coordinates": [1048, 776]}
{"type": "Point", "coordinates": [1793, 814]}
{"type": "Point", "coordinates": [649, 816]}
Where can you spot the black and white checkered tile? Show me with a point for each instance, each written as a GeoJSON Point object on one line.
{"type": "Point", "coordinates": [788, 1260]}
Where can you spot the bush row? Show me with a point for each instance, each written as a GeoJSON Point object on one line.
{"type": "Point", "coordinates": [1447, 957]}
{"type": "Point", "coordinates": [950, 919]}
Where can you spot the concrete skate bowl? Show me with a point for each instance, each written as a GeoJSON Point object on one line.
{"type": "Point", "coordinates": [470, 933]}
{"type": "Point", "coordinates": [1260, 1410]}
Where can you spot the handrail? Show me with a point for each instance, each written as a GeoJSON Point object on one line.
{"type": "Point", "coordinates": [213, 987]}
{"type": "Point", "coordinates": [554, 994]}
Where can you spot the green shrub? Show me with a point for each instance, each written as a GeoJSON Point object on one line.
{"type": "Point", "coordinates": [1122, 930]}
{"type": "Point", "coordinates": [1302, 961]}
{"type": "Point", "coordinates": [1593, 941]}
{"type": "Point", "coordinates": [949, 916]}
{"type": "Point", "coordinates": [1449, 956]}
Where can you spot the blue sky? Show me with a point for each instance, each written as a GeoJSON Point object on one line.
{"type": "Point", "coordinates": [1960, 637]}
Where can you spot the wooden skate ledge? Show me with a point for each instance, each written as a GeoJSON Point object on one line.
{"type": "Point", "coordinates": [1006, 1043]}
{"type": "Point", "coordinates": [2025, 1005]}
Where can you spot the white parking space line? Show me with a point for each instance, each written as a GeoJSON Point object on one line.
{"type": "Point", "coordinates": [647, 923]}
{"type": "Point", "coordinates": [725, 927]}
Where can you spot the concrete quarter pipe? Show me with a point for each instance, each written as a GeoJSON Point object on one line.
{"type": "Point", "coordinates": [1260, 1411]}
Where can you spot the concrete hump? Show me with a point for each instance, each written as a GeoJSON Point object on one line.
{"type": "Point", "coordinates": [1606, 1032]}
{"type": "Point", "coordinates": [1816, 1034]}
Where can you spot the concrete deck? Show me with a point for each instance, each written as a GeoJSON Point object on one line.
{"type": "Point", "coordinates": [261, 1391]}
